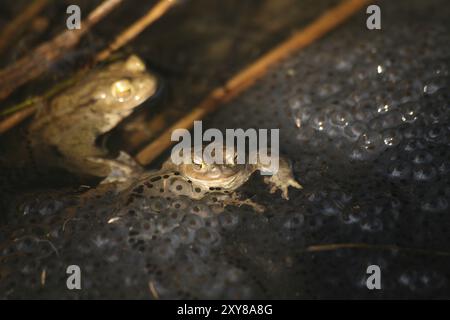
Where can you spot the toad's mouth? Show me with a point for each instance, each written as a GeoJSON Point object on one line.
{"type": "Point", "coordinates": [219, 176]}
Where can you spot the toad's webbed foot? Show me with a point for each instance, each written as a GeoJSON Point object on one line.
{"type": "Point", "coordinates": [234, 200]}
{"type": "Point", "coordinates": [282, 179]}
{"type": "Point", "coordinates": [123, 169]}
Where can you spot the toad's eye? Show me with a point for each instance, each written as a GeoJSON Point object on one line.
{"type": "Point", "coordinates": [122, 89]}
{"type": "Point", "coordinates": [198, 166]}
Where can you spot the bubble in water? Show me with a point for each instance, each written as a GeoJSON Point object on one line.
{"type": "Point", "coordinates": [433, 85]}
{"type": "Point", "coordinates": [437, 116]}
{"type": "Point", "coordinates": [443, 165]}
{"type": "Point", "coordinates": [343, 65]}
{"type": "Point", "coordinates": [163, 251]}
{"type": "Point", "coordinates": [391, 137]}
{"type": "Point", "coordinates": [437, 204]}
{"type": "Point", "coordinates": [200, 209]}
{"type": "Point", "coordinates": [305, 134]}
{"type": "Point", "coordinates": [319, 122]}
{"type": "Point", "coordinates": [228, 219]}
{"type": "Point", "coordinates": [437, 133]}
{"type": "Point", "coordinates": [411, 131]}
{"type": "Point", "coordinates": [349, 217]}
{"type": "Point", "coordinates": [158, 204]}
{"type": "Point", "coordinates": [424, 173]}
{"type": "Point", "coordinates": [165, 224]}
{"type": "Point", "coordinates": [340, 118]}
{"type": "Point", "coordinates": [355, 130]}
{"type": "Point", "coordinates": [295, 221]}
{"type": "Point", "coordinates": [399, 170]}
{"type": "Point", "coordinates": [183, 235]}
{"type": "Point", "coordinates": [327, 90]}
{"type": "Point", "coordinates": [413, 145]}
{"type": "Point", "coordinates": [200, 249]}
{"type": "Point", "coordinates": [314, 222]}
{"type": "Point", "coordinates": [383, 108]}
{"type": "Point", "coordinates": [233, 275]}
{"type": "Point", "coordinates": [421, 280]}
{"type": "Point", "coordinates": [365, 112]}
{"type": "Point", "coordinates": [356, 154]}
{"type": "Point", "coordinates": [207, 236]}
{"type": "Point", "coordinates": [421, 157]}
{"type": "Point", "coordinates": [410, 111]}
{"type": "Point", "coordinates": [180, 203]}
{"type": "Point", "coordinates": [329, 208]}
{"type": "Point", "coordinates": [370, 141]}
{"type": "Point", "coordinates": [372, 224]}
{"type": "Point", "coordinates": [340, 196]}
{"type": "Point", "coordinates": [192, 221]}
{"type": "Point", "coordinates": [180, 187]}
{"type": "Point", "coordinates": [304, 114]}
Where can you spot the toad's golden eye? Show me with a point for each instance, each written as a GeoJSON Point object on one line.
{"type": "Point", "coordinates": [122, 89]}
{"type": "Point", "coordinates": [198, 166]}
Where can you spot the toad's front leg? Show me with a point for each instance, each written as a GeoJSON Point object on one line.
{"type": "Point", "coordinates": [282, 179]}
{"type": "Point", "coordinates": [123, 169]}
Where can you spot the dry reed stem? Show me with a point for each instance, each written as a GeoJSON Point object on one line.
{"type": "Point", "coordinates": [15, 118]}
{"type": "Point", "coordinates": [40, 59]}
{"type": "Point", "coordinates": [245, 78]}
{"type": "Point", "coordinates": [337, 246]}
{"type": "Point", "coordinates": [129, 34]}
{"type": "Point", "coordinates": [19, 23]}
{"type": "Point", "coordinates": [136, 28]}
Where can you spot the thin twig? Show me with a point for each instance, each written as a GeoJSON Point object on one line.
{"type": "Point", "coordinates": [26, 108]}
{"type": "Point", "coordinates": [244, 79]}
{"type": "Point", "coordinates": [136, 28]}
{"type": "Point", "coordinates": [15, 118]}
{"type": "Point", "coordinates": [153, 290]}
{"type": "Point", "coordinates": [40, 59]}
{"type": "Point", "coordinates": [337, 246]}
{"type": "Point", "coordinates": [18, 24]}
{"type": "Point", "coordinates": [129, 34]}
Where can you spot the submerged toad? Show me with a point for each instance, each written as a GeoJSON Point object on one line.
{"type": "Point", "coordinates": [199, 180]}
{"type": "Point", "coordinates": [63, 133]}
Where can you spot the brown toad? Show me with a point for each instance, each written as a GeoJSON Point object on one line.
{"type": "Point", "coordinates": [63, 133]}
{"type": "Point", "coordinates": [200, 179]}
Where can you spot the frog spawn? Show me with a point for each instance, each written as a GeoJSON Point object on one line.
{"type": "Point", "coordinates": [158, 238]}
{"type": "Point", "coordinates": [366, 123]}
{"type": "Point", "coordinates": [168, 204]}
{"type": "Point", "coordinates": [346, 198]}
{"type": "Point", "coordinates": [177, 235]}
{"type": "Point", "coordinates": [154, 190]}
